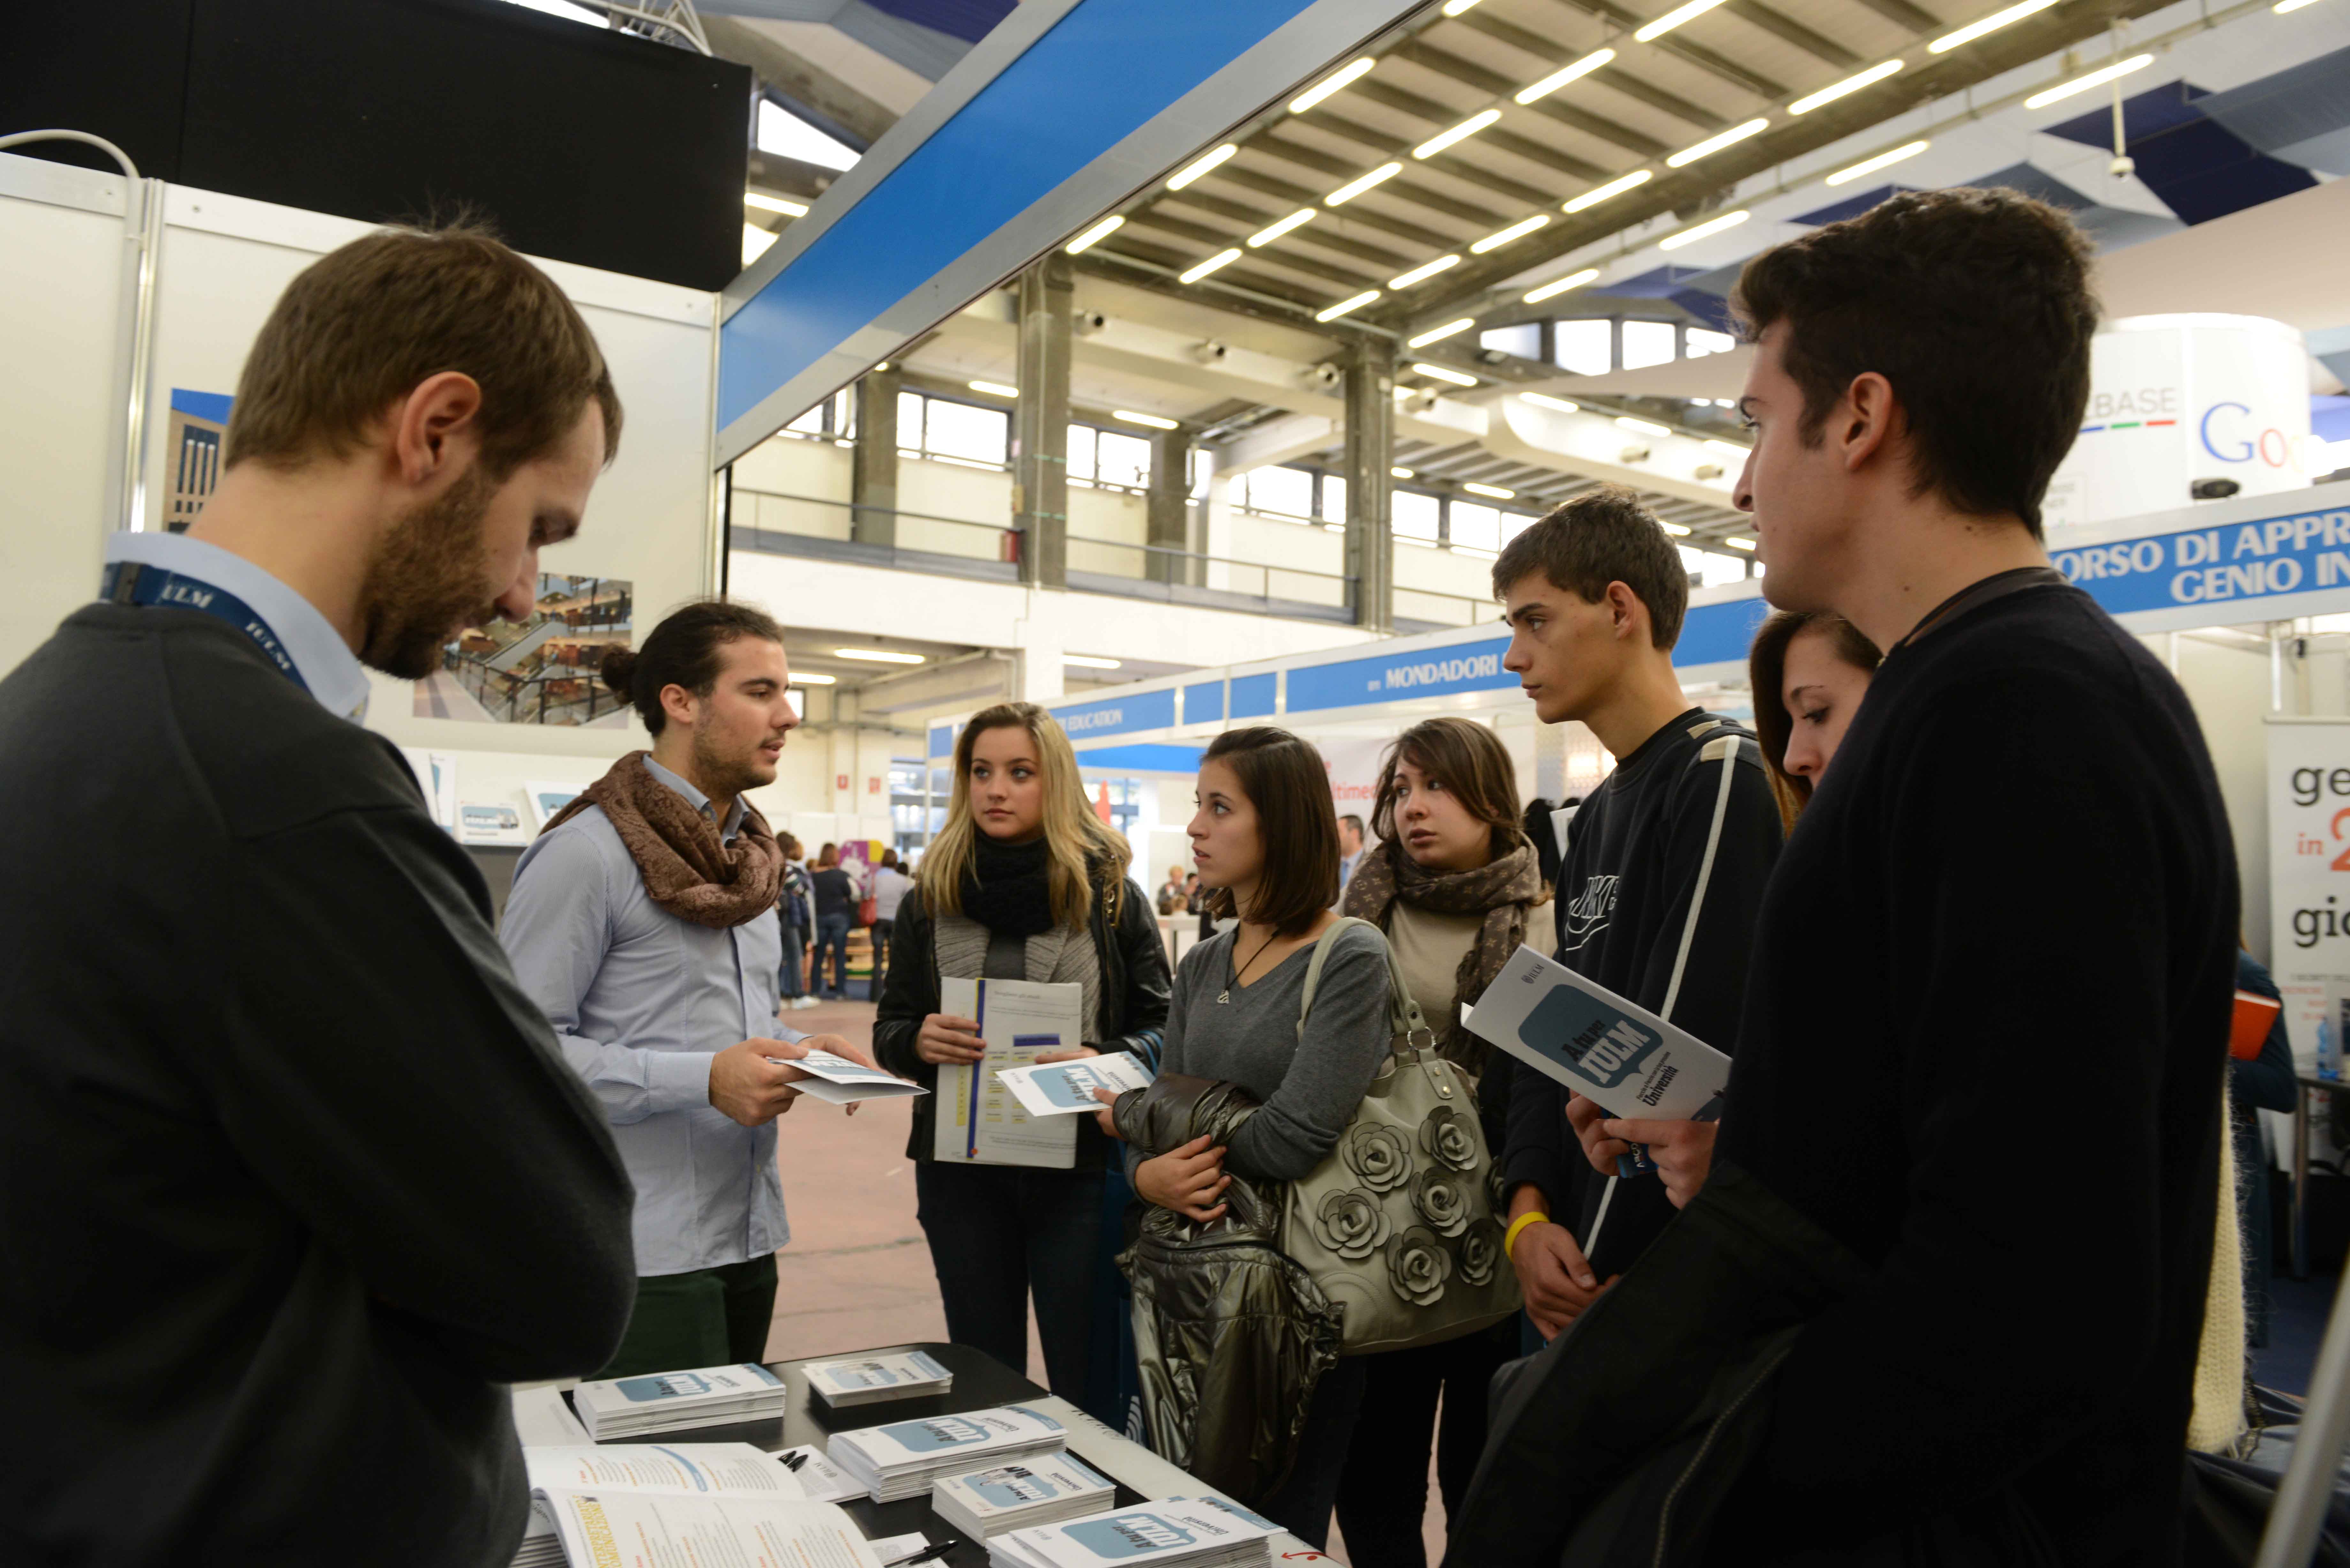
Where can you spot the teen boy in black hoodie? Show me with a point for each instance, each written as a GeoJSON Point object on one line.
{"type": "Point", "coordinates": [1663, 874]}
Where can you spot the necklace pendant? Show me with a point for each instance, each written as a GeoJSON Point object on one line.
{"type": "Point", "coordinates": [1224, 996]}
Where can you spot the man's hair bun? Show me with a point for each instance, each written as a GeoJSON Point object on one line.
{"type": "Point", "coordinates": [617, 666]}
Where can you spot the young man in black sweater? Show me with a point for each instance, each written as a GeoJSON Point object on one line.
{"type": "Point", "coordinates": [2016, 1377]}
{"type": "Point", "coordinates": [1662, 876]}
{"type": "Point", "coordinates": [292, 1180]}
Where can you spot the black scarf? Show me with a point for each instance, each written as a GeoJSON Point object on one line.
{"type": "Point", "coordinates": [1008, 889]}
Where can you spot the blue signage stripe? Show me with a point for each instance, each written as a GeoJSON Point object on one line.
{"type": "Point", "coordinates": [2291, 553]}
{"type": "Point", "coordinates": [1203, 701]}
{"type": "Point", "coordinates": [942, 740]}
{"type": "Point", "coordinates": [1252, 696]}
{"type": "Point", "coordinates": [1103, 71]}
{"type": "Point", "coordinates": [1143, 758]}
{"type": "Point", "coordinates": [1118, 716]}
{"type": "Point", "coordinates": [1426, 672]}
{"type": "Point", "coordinates": [1719, 634]}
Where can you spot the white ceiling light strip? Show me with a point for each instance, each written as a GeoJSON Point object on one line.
{"type": "Point", "coordinates": [1357, 186]}
{"type": "Point", "coordinates": [1559, 79]}
{"type": "Point", "coordinates": [1445, 373]}
{"type": "Point", "coordinates": [1201, 165]}
{"type": "Point", "coordinates": [2098, 78]}
{"type": "Point", "coordinates": [1330, 84]}
{"type": "Point", "coordinates": [1221, 258]}
{"type": "Point", "coordinates": [1517, 231]}
{"type": "Point", "coordinates": [1100, 231]}
{"type": "Point", "coordinates": [1425, 270]}
{"type": "Point", "coordinates": [1332, 313]}
{"type": "Point", "coordinates": [1616, 187]}
{"type": "Point", "coordinates": [1274, 230]}
{"type": "Point", "coordinates": [1990, 24]}
{"type": "Point", "coordinates": [1713, 144]}
{"type": "Point", "coordinates": [1461, 133]}
{"type": "Point", "coordinates": [1438, 334]}
{"type": "Point", "coordinates": [1711, 226]}
{"type": "Point", "coordinates": [1846, 87]}
{"type": "Point", "coordinates": [1883, 160]}
{"type": "Point", "coordinates": [1557, 287]}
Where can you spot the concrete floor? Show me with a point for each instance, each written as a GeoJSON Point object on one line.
{"type": "Point", "coordinates": [857, 1274]}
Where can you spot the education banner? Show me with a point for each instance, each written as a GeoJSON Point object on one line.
{"type": "Point", "coordinates": [2309, 869]}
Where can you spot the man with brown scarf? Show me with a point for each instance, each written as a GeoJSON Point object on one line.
{"type": "Point", "coordinates": [643, 921]}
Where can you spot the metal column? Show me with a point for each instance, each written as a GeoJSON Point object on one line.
{"type": "Point", "coordinates": [873, 473]}
{"type": "Point", "coordinates": [1167, 518]}
{"type": "Point", "coordinates": [1371, 450]}
{"type": "Point", "coordinates": [1040, 427]}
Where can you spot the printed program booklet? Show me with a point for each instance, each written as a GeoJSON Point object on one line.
{"type": "Point", "coordinates": [690, 1469]}
{"type": "Point", "coordinates": [1065, 1086]}
{"type": "Point", "coordinates": [1177, 1533]}
{"type": "Point", "coordinates": [872, 1379]}
{"type": "Point", "coordinates": [1043, 1490]}
{"type": "Point", "coordinates": [976, 1119]}
{"type": "Point", "coordinates": [606, 1529]}
{"type": "Point", "coordinates": [1627, 1060]}
{"type": "Point", "coordinates": [676, 1401]}
{"type": "Point", "coordinates": [902, 1458]}
{"type": "Point", "coordinates": [839, 1081]}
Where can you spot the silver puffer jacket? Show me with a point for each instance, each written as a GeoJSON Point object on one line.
{"type": "Point", "coordinates": [1231, 1336]}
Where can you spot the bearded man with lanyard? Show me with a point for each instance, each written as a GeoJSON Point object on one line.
{"type": "Point", "coordinates": [643, 921]}
{"type": "Point", "coordinates": [292, 1180]}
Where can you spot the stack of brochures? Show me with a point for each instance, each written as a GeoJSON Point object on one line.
{"type": "Point", "coordinates": [902, 1458]}
{"type": "Point", "coordinates": [664, 1471]}
{"type": "Point", "coordinates": [1178, 1532]}
{"type": "Point", "coordinates": [677, 1401]}
{"type": "Point", "coordinates": [872, 1379]}
{"type": "Point", "coordinates": [1043, 1490]}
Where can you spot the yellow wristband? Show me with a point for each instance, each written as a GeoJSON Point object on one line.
{"type": "Point", "coordinates": [1510, 1238]}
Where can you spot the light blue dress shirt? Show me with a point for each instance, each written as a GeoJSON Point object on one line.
{"type": "Point", "coordinates": [641, 1002]}
{"type": "Point", "coordinates": [328, 667]}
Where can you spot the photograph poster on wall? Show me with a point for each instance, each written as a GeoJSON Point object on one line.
{"type": "Point", "coordinates": [541, 670]}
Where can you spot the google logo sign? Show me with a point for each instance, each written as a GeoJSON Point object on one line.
{"type": "Point", "coordinates": [2272, 445]}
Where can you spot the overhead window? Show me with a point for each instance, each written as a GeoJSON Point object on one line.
{"type": "Point", "coordinates": [1703, 342]}
{"type": "Point", "coordinates": [1476, 527]}
{"type": "Point", "coordinates": [960, 430]}
{"type": "Point", "coordinates": [1414, 516]}
{"type": "Point", "coordinates": [1583, 347]}
{"type": "Point", "coordinates": [1648, 343]}
{"type": "Point", "coordinates": [1283, 492]}
{"type": "Point", "coordinates": [786, 135]}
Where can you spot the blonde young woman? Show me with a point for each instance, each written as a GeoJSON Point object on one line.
{"type": "Point", "coordinates": [1455, 883]}
{"type": "Point", "coordinates": [1025, 882]}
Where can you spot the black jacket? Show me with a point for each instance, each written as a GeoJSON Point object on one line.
{"type": "Point", "coordinates": [1135, 988]}
{"type": "Point", "coordinates": [291, 1179]}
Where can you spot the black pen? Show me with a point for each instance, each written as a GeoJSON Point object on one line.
{"type": "Point", "coordinates": [793, 1459]}
{"type": "Point", "coordinates": [927, 1554]}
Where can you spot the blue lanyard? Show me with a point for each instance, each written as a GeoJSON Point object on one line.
{"type": "Point", "coordinates": [130, 582]}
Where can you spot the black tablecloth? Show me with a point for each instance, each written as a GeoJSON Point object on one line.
{"type": "Point", "coordinates": [981, 1383]}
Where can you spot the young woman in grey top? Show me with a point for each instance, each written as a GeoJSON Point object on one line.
{"type": "Point", "coordinates": [1266, 842]}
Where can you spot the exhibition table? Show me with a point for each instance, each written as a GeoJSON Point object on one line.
{"type": "Point", "coordinates": [981, 1382]}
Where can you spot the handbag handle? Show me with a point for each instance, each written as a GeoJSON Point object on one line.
{"type": "Point", "coordinates": [1410, 1041]}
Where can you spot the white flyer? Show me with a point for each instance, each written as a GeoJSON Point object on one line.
{"type": "Point", "coordinates": [635, 1529]}
{"type": "Point", "coordinates": [839, 1081]}
{"type": "Point", "coordinates": [1626, 1059]}
{"type": "Point", "coordinates": [687, 1470]}
{"type": "Point", "coordinates": [978, 1120]}
{"type": "Point", "coordinates": [1062, 1087]}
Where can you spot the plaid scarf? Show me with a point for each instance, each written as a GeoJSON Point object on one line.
{"type": "Point", "coordinates": [1502, 890]}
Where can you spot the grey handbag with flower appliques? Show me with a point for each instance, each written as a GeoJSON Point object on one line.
{"type": "Point", "coordinates": [1398, 1223]}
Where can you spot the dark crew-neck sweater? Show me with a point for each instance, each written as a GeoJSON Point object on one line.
{"type": "Point", "coordinates": [1982, 1047]}
{"type": "Point", "coordinates": [291, 1179]}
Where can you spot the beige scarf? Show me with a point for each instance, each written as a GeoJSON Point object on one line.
{"type": "Point", "coordinates": [688, 867]}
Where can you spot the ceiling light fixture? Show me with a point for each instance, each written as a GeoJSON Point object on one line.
{"type": "Point", "coordinates": [1332, 313]}
{"type": "Point", "coordinates": [1461, 133]}
{"type": "Point", "coordinates": [1493, 492]}
{"type": "Point", "coordinates": [1153, 421]}
{"type": "Point", "coordinates": [1545, 400]}
{"type": "Point", "coordinates": [1445, 373]}
{"type": "Point", "coordinates": [1990, 24]}
{"type": "Point", "coordinates": [1599, 193]}
{"type": "Point", "coordinates": [1559, 79]}
{"type": "Point", "coordinates": [1871, 166]}
{"type": "Point", "coordinates": [1454, 7]}
{"type": "Point", "coordinates": [756, 241]}
{"type": "Point", "coordinates": [1330, 84]}
{"type": "Point", "coordinates": [2097, 78]}
{"type": "Point", "coordinates": [806, 678]}
{"type": "Point", "coordinates": [1100, 231]}
{"type": "Point", "coordinates": [1711, 226]}
{"type": "Point", "coordinates": [1425, 270]}
{"type": "Point", "coordinates": [1088, 661]}
{"type": "Point", "coordinates": [1642, 427]}
{"type": "Point", "coordinates": [1274, 230]}
{"type": "Point", "coordinates": [1557, 287]}
{"type": "Point", "coordinates": [1733, 448]}
{"type": "Point", "coordinates": [2283, 7]}
{"type": "Point", "coordinates": [1221, 258]}
{"type": "Point", "coordinates": [995, 389]}
{"type": "Point", "coordinates": [1400, 473]}
{"type": "Point", "coordinates": [1438, 334]}
{"type": "Point", "coordinates": [1739, 543]}
{"type": "Point", "coordinates": [1201, 165]}
{"type": "Point", "coordinates": [1713, 144]}
{"type": "Point", "coordinates": [1517, 231]}
{"type": "Point", "coordinates": [1678, 530]}
{"type": "Point", "coordinates": [1354, 188]}
{"type": "Point", "coordinates": [767, 203]}
{"type": "Point", "coordinates": [1868, 77]}
{"type": "Point", "coordinates": [1674, 18]}
{"type": "Point", "coordinates": [879, 656]}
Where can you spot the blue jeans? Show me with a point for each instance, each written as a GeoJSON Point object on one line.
{"type": "Point", "coordinates": [789, 986]}
{"type": "Point", "coordinates": [832, 931]}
